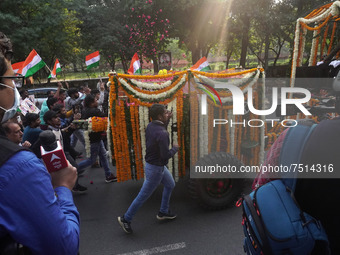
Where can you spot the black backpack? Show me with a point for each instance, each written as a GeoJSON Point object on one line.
{"type": "Point", "coordinates": [8, 246]}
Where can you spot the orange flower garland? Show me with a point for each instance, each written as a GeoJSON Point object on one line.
{"type": "Point", "coordinates": [99, 124]}
{"type": "Point", "coordinates": [137, 151]}
{"type": "Point", "coordinates": [332, 39]}
{"type": "Point", "coordinates": [150, 77]}
{"type": "Point", "coordinates": [126, 158]}
{"type": "Point", "coordinates": [139, 156]}
{"type": "Point", "coordinates": [318, 27]}
{"type": "Point", "coordinates": [216, 75]}
{"type": "Point", "coordinates": [159, 91]}
{"type": "Point", "coordinates": [324, 41]}
{"type": "Point", "coordinates": [180, 134]}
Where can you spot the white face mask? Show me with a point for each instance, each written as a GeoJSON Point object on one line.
{"type": "Point", "coordinates": [10, 113]}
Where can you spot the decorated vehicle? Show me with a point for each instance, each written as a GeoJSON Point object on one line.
{"type": "Point", "coordinates": [186, 94]}
{"type": "Point", "coordinates": [318, 61]}
{"type": "Point", "coordinates": [217, 119]}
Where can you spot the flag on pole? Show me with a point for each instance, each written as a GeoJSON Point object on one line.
{"type": "Point", "coordinates": [135, 66]}
{"type": "Point", "coordinates": [17, 66]}
{"type": "Point", "coordinates": [32, 64]}
{"type": "Point", "coordinates": [201, 65]}
{"type": "Point", "coordinates": [92, 60]}
{"type": "Point", "coordinates": [56, 69]}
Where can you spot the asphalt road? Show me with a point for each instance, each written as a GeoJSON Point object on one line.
{"type": "Point", "coordinates": [194, 231]}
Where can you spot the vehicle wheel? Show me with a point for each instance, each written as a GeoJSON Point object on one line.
{"type": "Point", "coordinates": [217, 193]}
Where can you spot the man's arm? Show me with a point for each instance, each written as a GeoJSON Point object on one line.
{"type": "Point", "coordinates": [163, 144]}
{"type": "Point", "coordinates": [56, 95]}
{"type": "Point", "coordinates": [92, 112]}
{"type": "Point", "coordinates": [42, 219]}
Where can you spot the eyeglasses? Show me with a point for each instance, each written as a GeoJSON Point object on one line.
{"type": "Point", "coordinates": [18, 79]}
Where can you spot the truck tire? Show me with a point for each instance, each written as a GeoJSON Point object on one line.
{"type": "Point", "coordinates": [219, 193]}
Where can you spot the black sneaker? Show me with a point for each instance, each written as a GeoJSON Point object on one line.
{"type": "Point", "coordinates": [166, 216]}
{"type": "Point", "coordinates": [125, 225]}
{"type": "Point", "coordinates": [111, 178]}
{"type": "Point", "coordinates": [80, 188]}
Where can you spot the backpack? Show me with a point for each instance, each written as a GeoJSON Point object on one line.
{"type": "Point", "coordinates": [273, 222]}
{"type": "Point", "coordinates": [8, 246]}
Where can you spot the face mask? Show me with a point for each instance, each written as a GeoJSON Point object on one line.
{"type": "Point", "coordinates": [10, 113]}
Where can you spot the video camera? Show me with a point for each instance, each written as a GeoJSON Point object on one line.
{"type": "Point", "coordinates": [81, 124]}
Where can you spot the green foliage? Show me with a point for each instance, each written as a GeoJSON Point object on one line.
{"type": "Point", "coordinates": [190, 29]}
{"type": "Point", "coordinates": [148, 28]}
{"type": "Point", "coordinates": [48, 26]}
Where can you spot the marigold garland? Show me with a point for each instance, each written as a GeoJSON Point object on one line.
{"type": "Point", "coordinates": [320, 17]}
{"type": "Point", "coordinates": [148, 77]}
{"type": "Point", "coordinates": [99, 124]}
{"type": "Point", "coordinates": [332, 39]}
{"type": "Point", "coordinates": [324, 41]}
{"type": "Point", "coordinates": [318, 27]}
{"type": "Point", "coordinates": [128, 155]}
{"type": "Point", "coordinates": [156, 92]}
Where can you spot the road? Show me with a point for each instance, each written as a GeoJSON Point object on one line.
{"type": "Point", "coordinates": [194, 231]}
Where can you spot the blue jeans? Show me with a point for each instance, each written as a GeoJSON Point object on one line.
{"type": "Point", "coordinates": [97, 149]}
{"type": "Point", "coordinates": [77, 134]}
{"type": "Point", "coordinates": [154, 175]}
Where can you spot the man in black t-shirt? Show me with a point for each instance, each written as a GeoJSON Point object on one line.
{"type": "Point", "coordinates": [96, 140]}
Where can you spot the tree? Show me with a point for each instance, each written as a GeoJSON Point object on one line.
{"type": "Point", "coordinates": [148, 27]}
{"type": "Point", "coordinates": [199, 24]}
{"type": "Point", "coordinates": [102, 29]}
{"type": "Point", "coordinates": [48, 26]}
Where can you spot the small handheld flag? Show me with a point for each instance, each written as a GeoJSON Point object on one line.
{"type": "Point", "coordinates": [135, 66]}
{"type": "Point", "coordinates": [201, 65]}
{"type": "Point", "coordinates": [92, 60]}
{"type": "Point", "coordinates": [32, 64]}
{"type": "Point", "coordinates": [17, 66]}
{"type": "Point", "coordinates": [56, 69]}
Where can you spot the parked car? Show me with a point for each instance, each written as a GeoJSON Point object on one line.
{"type": "Point", "coordinates": [40, 94]}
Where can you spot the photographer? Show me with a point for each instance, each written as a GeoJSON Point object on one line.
{"type": "Point", "coordinates": [75, 102]}
{"type": "Point", "coordinates": [36, 207]}
{"type": "Point", "coordinates": [96, 140]}
{"type": "Point", "coordinates": [75, 98]}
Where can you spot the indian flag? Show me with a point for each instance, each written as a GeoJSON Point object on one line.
{"type": "Point", "coordinates": [92, 60]}
{"type": "Point", "coordinates": [201, 65]}
{"type": "Point", "coordinates": [135, 65]}
{"type": "Point", "coordinates": [56, 69]}
{"type": "Point", "coordinates": [17, 66]}
{"type": "Point", "coordinates": [32, 64]}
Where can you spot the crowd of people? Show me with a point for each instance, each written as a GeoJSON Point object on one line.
{"type": "Point", "coordinates": [36, 207]}
{"type": "Point", "coordinates": [26, 186]}
{"type": "Point", "coordinates": [57, 114]}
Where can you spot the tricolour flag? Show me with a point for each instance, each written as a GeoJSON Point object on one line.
{"type": "Point", "coordinates": [92, 60]}
{"type": "Point", "coordinates": [135, 65]}
{"type": "Point", "coordinates": [32, 64]}
{"type": "Point", "coordinates": [17, 66]}
{"type": "Point", "coordinates": [56, 69]}
{"type": "Point", "coordinates": [201, 65]}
